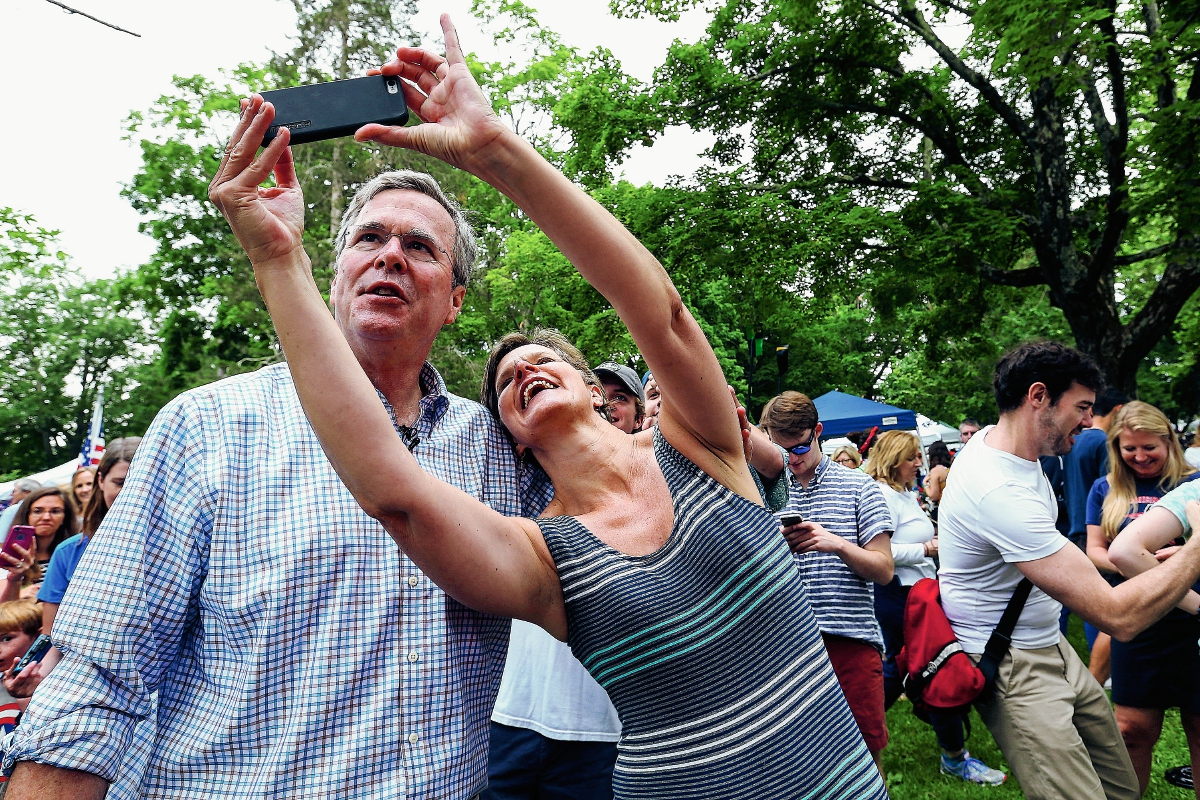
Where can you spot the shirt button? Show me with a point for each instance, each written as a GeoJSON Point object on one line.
{"type": "Point", "coordinates": [412, 580]}
{"type": "Point", "coordinates": [412, 656]}
{"type": "Point", "coordinates": [412, 738]}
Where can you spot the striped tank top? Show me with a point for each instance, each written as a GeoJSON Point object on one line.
{"type": "Point", "coordinates": [709, 651]}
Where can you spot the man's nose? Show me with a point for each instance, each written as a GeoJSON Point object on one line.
{"type": "Point", "coordinates": [392, 255]}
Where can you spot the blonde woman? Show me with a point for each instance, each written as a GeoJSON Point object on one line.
{"type": "Point", "coordinates": [1160, 667]}
{"type": "Point", "coordinates": [847, 456]}
{"type": "Point", "coordinates": [895, 463]}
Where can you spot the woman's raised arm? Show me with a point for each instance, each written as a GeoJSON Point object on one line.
{"type": "Point", "coordinates": [486, 561]}
{"type": "Point", "coordinates": [461, 129]}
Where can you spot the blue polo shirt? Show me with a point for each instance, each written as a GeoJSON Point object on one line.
{"type": "Point", "coordinates": [62, 569]}
{"type": "Point", "coordinates": [1086, 462]}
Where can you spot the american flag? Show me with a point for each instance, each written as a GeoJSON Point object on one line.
{"type": "Point", "coordinates": [93, 445]}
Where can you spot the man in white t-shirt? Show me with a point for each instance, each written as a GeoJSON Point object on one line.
{"type": "Point", "coordinates": [1051, 719]}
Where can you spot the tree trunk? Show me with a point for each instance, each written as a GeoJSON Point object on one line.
{"type": "Point", "coordinates": [336, 199]}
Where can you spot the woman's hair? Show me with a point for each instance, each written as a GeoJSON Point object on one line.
{"type": "Point", "coordinates": [891, 450]}
{"type": "Point", "coordinates": [1122, 482]}
{"type": "Point", "coordinates": [21, 615]}
{"type": "Point", "coordinates": [117, 451]}
{"type": "Point", "coordinates": [851, 451]}
{"type": "Point", "coordinates": [71, 486]}
{"type": "Point", "coordinates": [66, 528]}
{"type": "Point", "coordinates": [939, 455]}
{"type": "Point", "coordinates": [542, 337]}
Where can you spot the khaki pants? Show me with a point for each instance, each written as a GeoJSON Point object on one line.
{"type": "Point", "coordinates": [1056, 727]}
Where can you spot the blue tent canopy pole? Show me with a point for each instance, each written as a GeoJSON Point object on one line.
{"type": "Point", "coordinates": [841, 413]}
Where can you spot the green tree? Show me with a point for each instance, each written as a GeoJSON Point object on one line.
{"type": "Point", "coordinates": [63, 339]}
{"type": "Point", "coordinates": [1056, 146]}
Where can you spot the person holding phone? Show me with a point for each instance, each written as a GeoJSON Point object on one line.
{"type": "Point", "coordinates": [110, 479]}
{"type": "Point", "coordinates": [674, 589]}
{"type": "Point", "coordinates": [51, 514]}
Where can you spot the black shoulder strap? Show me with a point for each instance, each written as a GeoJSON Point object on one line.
{"type": "Point", "coordinates": [1001, 638]}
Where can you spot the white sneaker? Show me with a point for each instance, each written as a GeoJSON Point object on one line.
{"type": "Point", "coordinates": [973, 770]}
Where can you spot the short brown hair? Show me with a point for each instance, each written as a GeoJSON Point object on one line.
{"type": "Point", "coordinates": [790, 414]}
{"type": "Point", "coordinates": [542, 337]}
{"type": "Point", "coordinates": [21, 615]}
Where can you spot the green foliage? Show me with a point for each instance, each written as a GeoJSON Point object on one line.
{"type": "Point", "coordinates": [63, 338]}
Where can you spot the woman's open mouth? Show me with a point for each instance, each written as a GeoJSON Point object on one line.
{"type": "Point", "coordinates": [533, 387]}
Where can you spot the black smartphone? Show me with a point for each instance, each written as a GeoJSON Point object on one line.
{"type": "Point", "coordinates": [791, 520]}
{"type": "Point", "coordinates": [36, 651]}
{"type": "Point", "coordinates": [328, 110]}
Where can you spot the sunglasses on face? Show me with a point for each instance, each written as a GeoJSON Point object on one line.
{"type": "Point", "coordinates": [802, 449]}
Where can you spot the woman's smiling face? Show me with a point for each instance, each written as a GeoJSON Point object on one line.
{"type": "Point", "coordinates": [532, 381]}
{"type": "Point", "coordinates": [1143, 452]}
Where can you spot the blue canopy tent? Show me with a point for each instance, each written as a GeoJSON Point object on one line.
{"type": "Point", "coordinates": [841, 413]}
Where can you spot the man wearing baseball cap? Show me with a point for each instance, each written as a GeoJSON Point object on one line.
{"type": "Point", "coordinates": [626, 401]}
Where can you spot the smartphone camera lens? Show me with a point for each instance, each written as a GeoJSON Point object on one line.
{"type": "Point", "coordinates": [391, 86]}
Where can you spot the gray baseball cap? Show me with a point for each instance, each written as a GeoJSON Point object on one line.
{"type": "Point", "coordinates": [619, 373]}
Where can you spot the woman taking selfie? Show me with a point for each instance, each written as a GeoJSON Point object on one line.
{"type": "Point", "coordinates": [1160, 667]}
{"type": "Point", "coordinates": [655, 561]}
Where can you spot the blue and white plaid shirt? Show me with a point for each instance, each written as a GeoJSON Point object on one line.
{"type": "Point", "coordinates": [294, 650]}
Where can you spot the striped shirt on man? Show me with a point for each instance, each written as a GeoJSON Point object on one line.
{"type": "Point", "coordinates": [850, 504]}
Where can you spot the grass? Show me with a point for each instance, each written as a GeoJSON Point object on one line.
{"type": "Point", "coordinates": [911, 757]}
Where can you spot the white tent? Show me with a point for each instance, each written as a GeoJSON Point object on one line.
{"type": "Point", "coordinates": [51, 477]}
{"type": "Point", "coordinates": [932, 430]}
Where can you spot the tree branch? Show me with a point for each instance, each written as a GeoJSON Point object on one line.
{"type": "Point", "coordinates": [1179, 281]}
{"type": "Point", "coordinates": [70, 10]}
{"type": "Point", "coordinates": [1165, 89]}
{"type": "Point", "coordinates": [912, 18]}
{"type": "Point", "coordinates": [1030, 276]}
{"type": "Point", "coordinates": [1182, 243]}
{"type": "Point", "coordinates": [966, 12]}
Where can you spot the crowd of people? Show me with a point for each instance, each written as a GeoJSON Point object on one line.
{"type": "Point", "coordinates": [302, 582]}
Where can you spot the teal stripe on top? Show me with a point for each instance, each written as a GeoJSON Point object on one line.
{"type": "Point", "coordinates": [760, 562]}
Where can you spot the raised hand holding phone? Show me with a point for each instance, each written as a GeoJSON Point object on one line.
{"type": "Point", "coordinates": [267, 221]}
{"type": "Point", "coordinates": [458, 122]}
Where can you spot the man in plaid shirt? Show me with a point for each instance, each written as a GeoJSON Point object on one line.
{"type": "Point", "coordinates": [240, 627]}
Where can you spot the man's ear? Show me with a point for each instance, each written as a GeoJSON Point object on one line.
{"type": "Point", "coordinates": [456, 302]}
{"type": "Point", "coordinates": [1037, 395]}
{"type": "Point", "coordinates": [817, 431]}
{"type": "Point", "coordinates": [597, 397]}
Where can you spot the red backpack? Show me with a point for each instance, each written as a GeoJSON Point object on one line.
{"type": "Point", "coordinates": [937, 672]}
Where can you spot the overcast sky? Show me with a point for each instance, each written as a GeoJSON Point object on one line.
{"type": "Point", "coordinates": [69, 83]}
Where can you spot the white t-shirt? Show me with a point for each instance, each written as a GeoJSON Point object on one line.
{"type": "Point", "coordinates": [545, 689]}
{"type": "Point", "coordinates": [997, 510]}
{"type": "Point", "coordinates": [913, 529]}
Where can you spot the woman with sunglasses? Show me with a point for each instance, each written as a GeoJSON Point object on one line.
{"type": "Point", "coordinates": [656, 560]}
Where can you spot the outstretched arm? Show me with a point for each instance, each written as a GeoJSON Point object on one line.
{"type": "Point", "coordinates": [486, 561]}
{"type": "Point", "coordinates": [1133, 551]}
{"type": "Point", "coordinates": [461, 129]}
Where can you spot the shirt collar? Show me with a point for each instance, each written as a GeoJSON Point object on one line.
{"type": "Point", "coordinates": [818, 474]}
{"type": "Point", "coordinates": [434, 404]}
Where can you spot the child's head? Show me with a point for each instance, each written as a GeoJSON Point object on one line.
{"type": "Point", "coordinates": [20, 624]}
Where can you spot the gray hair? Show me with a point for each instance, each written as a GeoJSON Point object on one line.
{"type": "Point", "coordinates": [465, 247]}
{"type": "Point", "coordinates": [29, 485]}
